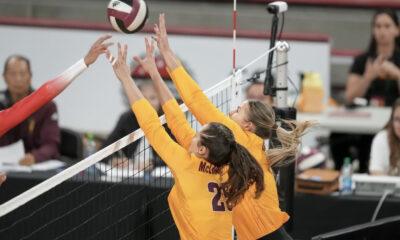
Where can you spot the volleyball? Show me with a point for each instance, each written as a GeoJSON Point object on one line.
{"type": "Point", "coordinates": [127, 16]}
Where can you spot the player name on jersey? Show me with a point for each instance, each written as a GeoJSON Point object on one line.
{"type": "Point", "coordinates": [207, 168]}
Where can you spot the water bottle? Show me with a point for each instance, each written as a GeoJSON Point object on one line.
{"type": "Point", "coordinates": [345, 177]}
{"type": "Point", "coordinates": [90, 149]}
{"type": "Point", "coordinates": [312, 93]}
{"type": "Point", "coordinates": [90, 145]}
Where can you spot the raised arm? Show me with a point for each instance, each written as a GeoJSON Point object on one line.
{"type": "Point", "coordinates": [176, 120]}
{"type": "Point", "coordinates": [171, 152]}
{"type": "Point", "coordinates": [197, 102]}
{"type": "Point", "coordinates": [11, 117]}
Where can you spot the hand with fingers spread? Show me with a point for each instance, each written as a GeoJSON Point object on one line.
{"type": "Point", "coordinates": [99, 47]}
{"type": "Point", "coordinates": [163, 45]}
{"type": "Point", "coordinates": [123, 73]}
{"type": "Point", "coordinates": [162, 37]}
{"type": "Point", "coordinates": [121, 68]}
{"type": "Point", "coordinates": [148, 63]}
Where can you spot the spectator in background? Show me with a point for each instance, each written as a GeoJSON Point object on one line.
{"type": "Point", "coordinates": [256, 91]}
{"type": "Point", "coordinates": [385, 149]}
{"type": "Point", "coordinates": [374, 75]}
{"type": "Point", "coordinates": [127, 122]}
{"type": "Point", "coordinates": [14, 115]}
{"type": "Point", "coordinates": [40, 132]}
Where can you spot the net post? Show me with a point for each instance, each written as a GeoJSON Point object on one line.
{"type": "Point", "coordinates": [282, 49]}
{"type": "Point", "coordinates": [285, 174]}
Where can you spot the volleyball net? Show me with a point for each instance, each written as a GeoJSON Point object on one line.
{"type": "Point", "coordinates": [120, 192]}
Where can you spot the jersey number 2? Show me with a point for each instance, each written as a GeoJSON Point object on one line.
{"type": "Point", "coordinates": [217, 204]}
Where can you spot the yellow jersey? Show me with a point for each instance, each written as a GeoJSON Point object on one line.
{"type": "Point", "coordinates": [195, 200]}
{"type": "Point", "coordinates": [252, 218]}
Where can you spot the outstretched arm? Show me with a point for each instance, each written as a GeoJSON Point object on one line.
{"type": "Point", "coordinates": [171, 152]}
{"type": "Point", "coordinates": [149, 65]}
{"type": "Point", "coordinates": [11, 117]}
{"type": "Point", "coordinates": [163, 45]}
{"type": "Point", "coordinates": [176, 120]}
{"type": "Point", "coordinates": [197, 102]}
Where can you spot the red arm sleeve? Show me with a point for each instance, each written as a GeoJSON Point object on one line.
{"type": "Point", "coordinates": [11, 117]}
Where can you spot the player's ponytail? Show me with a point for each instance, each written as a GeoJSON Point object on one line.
{"type": "Point", "coordinates": [243, 171]}
{"type": "Point", "coordinates": [263, 117]}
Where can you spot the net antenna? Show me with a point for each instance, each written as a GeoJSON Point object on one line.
{"type": "Point", "coordinates": [236, 75]}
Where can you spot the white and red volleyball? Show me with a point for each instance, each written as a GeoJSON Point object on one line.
{"type": "Point", "coordinates": [127, 16]}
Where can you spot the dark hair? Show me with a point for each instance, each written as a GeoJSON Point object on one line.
{"type": "Point", "coordinates": [243, 170]}
{"type": "Point", "coordinates": [392, 14]}
{"type": "Point", "coordinates": [18, 57]}
{"type": "Point", "coordinates": [393, 140]}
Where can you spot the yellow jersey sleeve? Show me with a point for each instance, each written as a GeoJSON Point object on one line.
{"type": "Point", "coordinates": [198, 103]}
{"type": "Point", "coordinates": [178, 124]}
{"type": "Point", "coordinates": [175, 156]}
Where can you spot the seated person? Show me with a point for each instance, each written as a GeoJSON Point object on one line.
{"type": "Point", "coordinates": [40, 132]}
{"type": "Point", "coordinates": [385, 149]}
{"type": "Point", "coordinates": [374, 75]}
{"type": "Point", "coordinates": [127, 122]}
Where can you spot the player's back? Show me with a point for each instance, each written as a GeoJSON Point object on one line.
{"type": "Point", "coordinates": [197, 205]}
{"type": "Point", "coordinates": [195, 199]}
{"type": "Point", "coordinates": [254, 218]}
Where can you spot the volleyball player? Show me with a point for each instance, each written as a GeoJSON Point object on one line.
{"type": "Point", "coordinates": [251, 123]}
{"type": "Point", "coordinates": [12, 116]}
{"type": "Point", "coordinates": [197, 204]}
